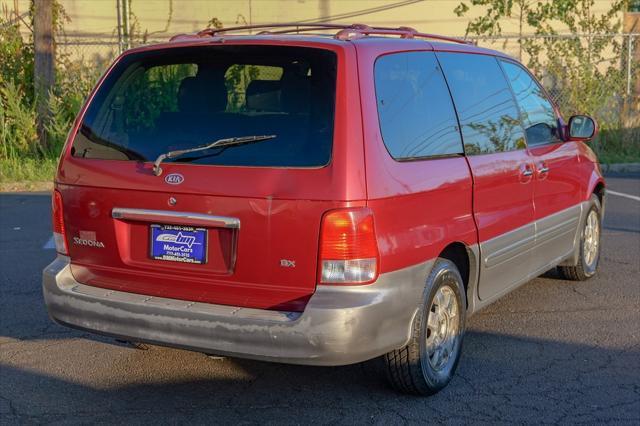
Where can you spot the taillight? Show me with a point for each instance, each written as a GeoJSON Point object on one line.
{"type": "Point", "coordinates": [348, 247]}
{"type": "Point", "coordinates": [58, 223]}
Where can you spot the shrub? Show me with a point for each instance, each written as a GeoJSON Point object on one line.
{"type": "Point", "coordinates": [17, 123]}
{"type": "Point", "coordinates": [74, 80]}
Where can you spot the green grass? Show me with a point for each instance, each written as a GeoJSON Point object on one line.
{"type": "Point", "coordinates": [619, 157]}
{"type": "Point", "coordinates": [618, 146]}
{"type": "Point", "coordinates": [14, 170]}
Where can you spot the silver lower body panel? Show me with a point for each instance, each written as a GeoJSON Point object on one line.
{"type": "Point", "coordinates": [339, 326]}
{"type": "Point", "coordinates": [525, 253]}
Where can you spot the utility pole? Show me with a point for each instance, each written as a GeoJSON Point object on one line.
{"type": "Point", "coordinates": [125, 21]}
{"type": "Point", "coordinates": [44, 63]}
{"type": "Point", "coordinates": [324, 10]}
{"type": "Point", "coordinates": [631, 105]}
{"type": "Point", "coordinates": [122, 13]}
{"type": "Point", "coordinates": [119, 15]}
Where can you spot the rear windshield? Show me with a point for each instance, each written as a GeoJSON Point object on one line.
{"type": "Point", "coordinates": [159, 101]}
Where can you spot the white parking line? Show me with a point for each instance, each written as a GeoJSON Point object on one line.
{"type": "Point", "coordinates": [49, 245]}
{"type": "Point", "coordinates": [621, 194]}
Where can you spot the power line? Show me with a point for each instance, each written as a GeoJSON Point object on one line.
{"type": "Point", "coordinates": [362, 12]}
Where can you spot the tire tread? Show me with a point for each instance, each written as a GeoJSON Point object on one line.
{"type": "Point", "coordinates": [403, 366]}
{"type": "Point", "coordinates": [578, 271]}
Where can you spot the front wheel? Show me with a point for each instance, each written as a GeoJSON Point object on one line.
{"type": "Point", "coordinates": [427, 363]}
{"type": "Point", "coordinates": [589, 246]}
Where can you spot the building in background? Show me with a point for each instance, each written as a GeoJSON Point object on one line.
{"type": "Point", "coordinates": [97, 20]}
{"type": "Point", "coordinates": [96, 30]}
{"type": "Point", "coordinates": [92, 30]}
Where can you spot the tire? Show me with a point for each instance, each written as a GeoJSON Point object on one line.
{"type": "Point", "coordinates": [590, 233]}
{"type": "Point", "coordinates": [413, 369]}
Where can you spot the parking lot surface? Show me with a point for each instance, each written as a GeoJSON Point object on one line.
{"type": "Point", "coordinates": [553, 351]}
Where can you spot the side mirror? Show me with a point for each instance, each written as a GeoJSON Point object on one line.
{"type": "Point", "coordinates": [582, 128]}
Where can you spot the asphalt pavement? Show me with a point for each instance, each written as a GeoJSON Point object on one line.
{"type": "Point", "coordinates": [553, 351]}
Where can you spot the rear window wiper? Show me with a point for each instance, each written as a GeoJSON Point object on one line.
{"type": "Point", "coordinates": [220, 143]}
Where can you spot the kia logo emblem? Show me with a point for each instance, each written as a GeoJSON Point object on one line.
{"type": "Point", "coordinates": [174, 179]}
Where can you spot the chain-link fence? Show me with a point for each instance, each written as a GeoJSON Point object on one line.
{"type": "Point", "coordinates": [88, 52]}
{"type": "Point", "coordinates": [594, 74]}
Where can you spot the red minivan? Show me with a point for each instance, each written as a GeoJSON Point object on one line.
{"type": "Point", "coordinates": [313, 197]}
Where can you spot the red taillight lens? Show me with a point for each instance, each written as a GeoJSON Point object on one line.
{"type": "Point", "coordinates": [348, 247]}
{"type": "Point", "coordinates": [58, 223]}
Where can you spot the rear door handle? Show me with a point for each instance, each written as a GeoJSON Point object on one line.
{"type": "Point", "coordinates": [177, 218]}
{"type": "Point", "coordinates": [525, 173]}
{"type": "Point", "coordinates": [543, 169]}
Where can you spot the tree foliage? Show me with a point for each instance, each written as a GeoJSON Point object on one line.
{"type": "Point", "coordinates": [74, 80]}
{"type": "Point", "coordinates": [571, 50]}
{"type": "Point", "coordinates": [495, 12]}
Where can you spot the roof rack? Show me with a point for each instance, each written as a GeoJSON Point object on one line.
{"type": "Point", "coordinates": [356, 31]}
{"type": "Point", "coordinates": [345, 32]}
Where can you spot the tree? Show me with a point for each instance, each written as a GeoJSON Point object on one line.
{"type": "Point", "coordinates": [577, 64]}
{"type": "Point", "coordinates": [496, 11]}
{"type": "Point", "coordinates": [44, 64]}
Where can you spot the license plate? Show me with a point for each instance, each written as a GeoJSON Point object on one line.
{"type": "Point", "coordinates": [177, 243]}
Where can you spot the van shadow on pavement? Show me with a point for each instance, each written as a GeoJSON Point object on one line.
{"type": "Point", "coordinates": [544, 380]}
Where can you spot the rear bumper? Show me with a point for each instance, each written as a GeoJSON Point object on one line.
{"type": "Point", "coordinates": [340, 325]}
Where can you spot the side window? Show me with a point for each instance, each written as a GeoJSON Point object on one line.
{"type": "Point", "coordinates": [538, 117]}
{"type": "Point", "coordinates": [486, 109]}
{"type": "Point", "coordinates": [417, 119]}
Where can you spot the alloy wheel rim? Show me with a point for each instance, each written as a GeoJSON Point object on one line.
{"type": "Point", "coordinates": [443, 325]}
{"type": "Point", "coordinates": [591, 239]}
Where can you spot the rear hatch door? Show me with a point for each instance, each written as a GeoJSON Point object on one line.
{"type": "Point", "coordinates": [236, 226]}
{"type": "Point", "coordinates": [256, 251]}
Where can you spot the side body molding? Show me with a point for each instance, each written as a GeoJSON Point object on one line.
{"type": "Point", "coordinates": [556, 241]}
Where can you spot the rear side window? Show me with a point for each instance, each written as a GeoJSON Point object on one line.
{"type": "Point", "coordinates": [416, 114]}
{"type": "Point", "coordinates": [538, 117]}
{"type": "Point", "coordinates": [159, 101]}
{"type": "Point", "coordinates": [484, 102]}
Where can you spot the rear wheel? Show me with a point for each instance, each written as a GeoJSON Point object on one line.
{"type": "Point", "coordinates": [428, 362]}
{"type": "Point", "coordinates": [589, 246]}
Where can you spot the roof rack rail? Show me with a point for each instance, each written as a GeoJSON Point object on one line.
{"type": "Point", "coordinates": [288, 28]}
{"type": "Point", "coordinates": [346, 32]}
{"type": "Point", "coordinates": [358, 31]}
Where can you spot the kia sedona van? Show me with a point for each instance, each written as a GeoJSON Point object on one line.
{"type": "Point", "coordinates": [320, 195]}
